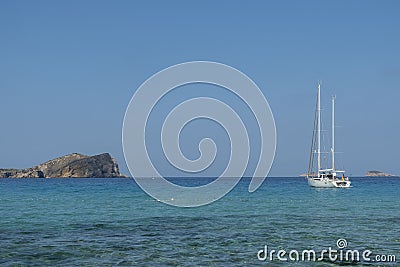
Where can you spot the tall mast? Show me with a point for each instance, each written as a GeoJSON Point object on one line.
{"type": "Point", "coordinates": [319, 128]}
{"type": "Point", "coordinates": [333, 133]}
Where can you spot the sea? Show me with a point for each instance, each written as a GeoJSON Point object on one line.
{"type": "Point", "coordinates": [112, 222]}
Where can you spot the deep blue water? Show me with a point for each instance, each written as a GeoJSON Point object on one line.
{"type": "Point", "coordinates": [108, 222]}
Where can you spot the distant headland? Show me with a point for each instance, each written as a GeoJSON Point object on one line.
{"type": "Point", "coordinates": [378, 174]}
{"type": "Point", "coordinates": [74, 165]}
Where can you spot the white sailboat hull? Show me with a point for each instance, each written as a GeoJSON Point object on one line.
{"type": "Point", "coordinates": [319, 182]}
{"type": "Point", "coordinates": [328, 183]}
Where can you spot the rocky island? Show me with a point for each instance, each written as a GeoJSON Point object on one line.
{"type": "Point", "coordinates": [70, 166]}
{"type": "Point", "coordinates": [378, 174]}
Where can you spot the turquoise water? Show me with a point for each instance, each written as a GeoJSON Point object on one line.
{"type": "Point", "coordinates": [103, 222]}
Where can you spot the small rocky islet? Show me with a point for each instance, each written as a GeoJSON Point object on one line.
{"type": "Point", "coordinates": [74, 165]}
{"type": "Point", "coordinates": [378, 174]}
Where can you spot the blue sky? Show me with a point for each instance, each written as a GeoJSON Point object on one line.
{"type": "Point", "coordinates": [69, 68]}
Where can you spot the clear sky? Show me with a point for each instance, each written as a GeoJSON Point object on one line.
{"type": "Point", "coordinates": [69, 68]}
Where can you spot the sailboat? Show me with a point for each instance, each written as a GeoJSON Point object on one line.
{"type": "Point", "coordinates": [328, 177]}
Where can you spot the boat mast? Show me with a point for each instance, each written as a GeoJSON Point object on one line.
{"type": "Point", "coordinates": [319, 128]}
{"type": "Point", "coordinates": [333, 133]}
